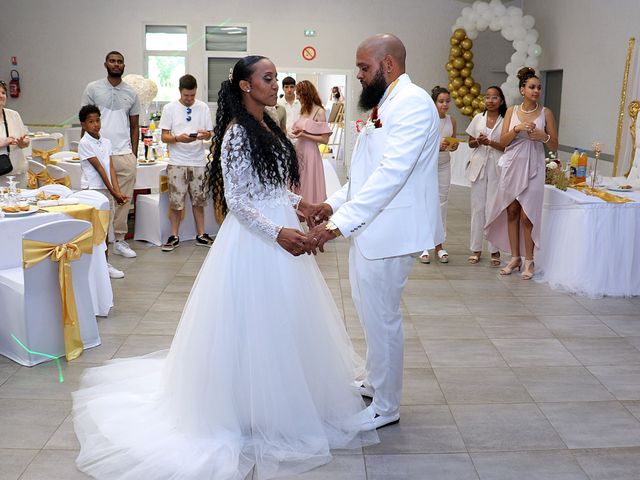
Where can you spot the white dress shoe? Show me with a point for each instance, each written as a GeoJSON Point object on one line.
{"type": "Point", "coordinates": [364, 389]}
{"type": "Point", "coordinates": [370, 420]}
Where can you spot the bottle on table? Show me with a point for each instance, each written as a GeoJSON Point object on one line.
{"type": "Point", "coordinates": [581, 170]}
{"type": "Point", "coordinates": [573, 165]}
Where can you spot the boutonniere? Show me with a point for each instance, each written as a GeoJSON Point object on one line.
{"type": "Point", "coordinates": [373, 121]}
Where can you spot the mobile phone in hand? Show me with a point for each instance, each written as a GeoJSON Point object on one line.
{"type": "Point", "coordinates": [193, 135]}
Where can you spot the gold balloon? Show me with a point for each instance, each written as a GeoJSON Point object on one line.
{"type": "Point", "coordinates": [448, 66]}
{"type": "Point", "coordinates": [453, 92]}
{"type": "Point", "coordinates": [467, 110]}
{"type": "Point", "coordinates": [467, 55]}
{"type": "Point", "coordinates": [475, 91]}
{"type": "Point", "coordinates": [469, 82]}
{"type": "Point", "coordinates": [454, 41]}
{"type": "Point", "coordinates": [474, 103]}
{"type": "Point", "coordinates": [458, 63]}
{"type": "Point", "coordinates": [465, 72]}
{"type": "Point", "coordinates": [466, 44]}
{"type": "Point", "coordinates": [481, 104]}
{"type": "Point", "coordinates": [459, 34]}
{"type": "Point", "coordinates": [469, 65]}
{"type": "Point", "coordinates": [462, 90]}
{"type": "Point", "coordinates": [455, 51]}
{"type": "Point", "coordinates": [457, 83]}
{"type": "Point", "coordinates": [467, 99]}
{"type": "Point", "coordinates": [459, 103]}
{"type": "Point", "coordinates": [477, 111]}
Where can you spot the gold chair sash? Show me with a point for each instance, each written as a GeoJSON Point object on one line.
{"type": "Point", "coordinates": [43, 178]}
{"type": "Point", "coordinates": [606, 196]}
{"type": "Point", "coordinates": [66, 181]}
{"type": "Point", "coordinates": [32, 180]}
{"type": "Point", "coordinates": [45, 154]}
{"type": "Point", "coordinates": [98, 218]}
{"type": "Point", "coordinates": [33, 252]}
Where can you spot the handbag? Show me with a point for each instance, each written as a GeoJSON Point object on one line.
{"type": "Point", "coordinates": [5, 162]}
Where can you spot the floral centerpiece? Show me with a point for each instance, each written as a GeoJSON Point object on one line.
{"type": "Point", "coordinates": [554, 174]}
{"type": "Point", "coordinates": [146, 90]}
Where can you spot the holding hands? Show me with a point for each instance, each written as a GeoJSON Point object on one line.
{"type": "Point", "coordinates": [296, 242]}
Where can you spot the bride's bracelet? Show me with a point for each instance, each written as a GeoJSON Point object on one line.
{"type": "Point", "coordinates": [547, 140]}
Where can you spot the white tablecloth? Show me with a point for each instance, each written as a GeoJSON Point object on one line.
{"type": "Point", "coordinates": [588, 246]}
{"type": "Point", "coordinates": [11, 230]}
{"type": "Point", "coordinates": [147, 176]}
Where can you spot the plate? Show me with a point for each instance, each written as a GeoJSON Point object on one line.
{"type": "Point", "coordinates": [70, 160]}
{"type": "Point", "coordinates": [618, 189]}
{"type": "Point", "coordinates": [32, 209]}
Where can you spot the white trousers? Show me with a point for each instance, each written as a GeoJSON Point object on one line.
{"type": "Point", "coordinates": [444, 184]}
{"type": "Point", "coordinates": [376, 289]}
{"type": "Point", "coordinates": [483, 194]}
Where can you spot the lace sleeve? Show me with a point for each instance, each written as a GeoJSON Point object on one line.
{"type": "Point", "coordinates": [240, 183]}
{"type": "Point", "coordinates": [294, 198]}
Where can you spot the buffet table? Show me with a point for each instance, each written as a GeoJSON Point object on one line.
{"type": "Point", "coordinates": [588, 246]}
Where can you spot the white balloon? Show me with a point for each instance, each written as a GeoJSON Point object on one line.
{"type": "Point", "coordinates": [482, 24]}
{"type": "Point", "coordinates": [514, 11]}
{"type": "Point", "coordinates": [472, 34]}
{"type": "Point", "coordinates": [514, 21]}
{"type": "Point", "coordinates": [512, 80]}
{"type": "Point", "coordinates": [532, 36]}
{"type": "Point", "coordinates": [475, 4]}
{"type": "Point", "coordinates": [519, 33]}
{"type": "Point", "coordinates": [520, 46]}
{"type": "Point", "coordinates": [532, 62]}
{"type": "Point", "coordinates": [487, 15]}
{"type": "Point", "coordinates": [495, 25]}
{"type": "Point", "coordinates": [528, 22]}
{"type": "Point", "coordinates": [499, 10]}
{"type": "Point", "coordinates": [534, 50]}
{"type": "Point", "coordinates": [508, 34]}
{"type": "Point", "coordinates": [518, 58]}
{"type": "Point", "coordinates": [459, 23]}
{"type": "Point", "coordinates": [468, 25]}
{"type": "Point", "coordinates": [466, 11]}
{"type": "Point", "coordinates": [510, 68]}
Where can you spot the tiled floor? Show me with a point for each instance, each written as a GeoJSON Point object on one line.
{"type": "Point", "coordinates": [504, 379]}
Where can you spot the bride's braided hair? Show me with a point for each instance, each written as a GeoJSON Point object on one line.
{"type": "Point", "coordinates": [273, 156]}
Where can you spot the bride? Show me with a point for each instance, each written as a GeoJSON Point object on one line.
{"type": "Point", "coordinates": [260, 368]}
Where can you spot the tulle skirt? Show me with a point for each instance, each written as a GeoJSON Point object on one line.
{"type": "Point", "coordinates": [258, 374]}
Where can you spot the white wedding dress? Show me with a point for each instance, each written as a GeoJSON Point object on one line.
{"type": "Point", "coordinates": [258, 373]}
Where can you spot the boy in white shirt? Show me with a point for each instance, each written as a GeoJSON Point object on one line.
{"type": "Point", "coordinates": [97, 170]}
{"type": "Point", "coordinates": [185, 123]}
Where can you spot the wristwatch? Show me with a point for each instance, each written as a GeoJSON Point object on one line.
{"type": "Point", "coordinates": [333, 228]}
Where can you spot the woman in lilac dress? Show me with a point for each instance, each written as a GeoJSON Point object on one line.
{"type": "Point", "coordinates": [310, 130]}
{"type": "Point", "coordinates": [515, 218]}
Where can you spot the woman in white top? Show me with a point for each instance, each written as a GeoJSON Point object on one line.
{"type": "Point", "coordinates": [482, 168]}
{"type": "Point", "coordinates": [442, 99]}
{"type": "Point", "coordinates": [14, 140]}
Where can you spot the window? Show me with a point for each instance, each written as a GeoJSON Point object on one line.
{"type": "Point", "coordinates": [224, 45]}
{"type": "Point", "coordinates": [165, 58]}
{"type": "Point", "coordinates": [218, 71]}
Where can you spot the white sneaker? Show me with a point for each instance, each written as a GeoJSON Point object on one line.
{"type": "Point", "coordinates": [114, 272]}
{"type": "Point", "coordinates": [120, 247]}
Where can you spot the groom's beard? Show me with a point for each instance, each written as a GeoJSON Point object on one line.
{"type": "Point", "coordinates": [372, 92]}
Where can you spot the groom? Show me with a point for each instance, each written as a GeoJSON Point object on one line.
{"type": "Point", "coordinates": [389, 209]}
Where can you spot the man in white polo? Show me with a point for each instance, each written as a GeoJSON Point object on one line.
{"type": "Point", "coordinates": [120, 114]}
{"type": "Point", "coordinates": [185, 123]}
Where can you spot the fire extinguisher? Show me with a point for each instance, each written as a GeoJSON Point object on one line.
{"type": "Point", "coordinates": [14, 84]}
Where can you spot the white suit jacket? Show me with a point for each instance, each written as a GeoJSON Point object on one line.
{"type": "Point", "coordinates": [390, 206]}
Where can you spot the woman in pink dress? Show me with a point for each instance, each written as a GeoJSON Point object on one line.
{"type": "Point", "coordinates": [520, 192]}
{"type": "Point", "coordinates": [310, 130]}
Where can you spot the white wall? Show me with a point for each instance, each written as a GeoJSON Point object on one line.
{"type": "Point", "coordinates": [61, 45]}
{"type": "Point", "coordinates": [587, 39]}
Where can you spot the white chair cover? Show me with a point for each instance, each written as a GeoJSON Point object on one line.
{"type": "Point", "coordinates": [35, 166]}
{"type": "Point", "coordinates": [99, 283]}
{"type": "Point", "coordinates": [30, 305]}
{"type": "Point", "coordinates": [56, 172]}
{"type": "Point", "coordinates": [64, 154]}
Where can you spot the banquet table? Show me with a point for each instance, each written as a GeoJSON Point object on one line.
{"type": "Point", "coordinates": [147, 175]}
{"type": "Point", "coordinates": [11, 230]}
{"type": "Point", "coordinates": [588, 246]}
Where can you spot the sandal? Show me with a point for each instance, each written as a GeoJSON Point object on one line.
{"type": "Point", "coordinates": [424, 258]}
{"type": "Point", "coordinates": [511, 266]}
{"type": "Point", "coordinates": [443, 256]}
{"type": "Point", "coordinates": [495, 259]}
{"type": "Point", "coordinates": [527, 271]}
{"type": "Point", "coordinates": [473, 259]}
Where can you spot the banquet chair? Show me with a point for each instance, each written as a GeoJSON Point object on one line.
{"type": "Point", "coordinates": [59, 175]}
{"type": "Point", "coordinates": [38, 172]}
{"type": "Point", "coordinates": [99, 282]}
{"type": "Point", "coordinates": [43, 148]}
{"type": "Point", "coordinates": [30, 304]}
{"type": "Point", "coordinates": [56, 189]}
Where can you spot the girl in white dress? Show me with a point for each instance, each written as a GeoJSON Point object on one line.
{"type": "Point", "coordinates": [442, 99]}
{"type": "Point", "coordinates": [259, 372]}
{"type": "Point", "coordinates": [482, 168]}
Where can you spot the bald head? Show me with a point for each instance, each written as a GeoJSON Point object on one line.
{"type": "Point", "coordinates": [386, 45]}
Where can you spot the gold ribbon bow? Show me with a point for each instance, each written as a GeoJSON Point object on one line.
{"type": "Point", "coordinates": [33, 252]}
{"type": "Point", "coordinates": [32, 180]}
{"type": "Point", "coordinates": [43, 178]}
{"type": "Point", "coordinates": [45, 154]}
{"type": "Point", "coordinates": [66, 181]}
